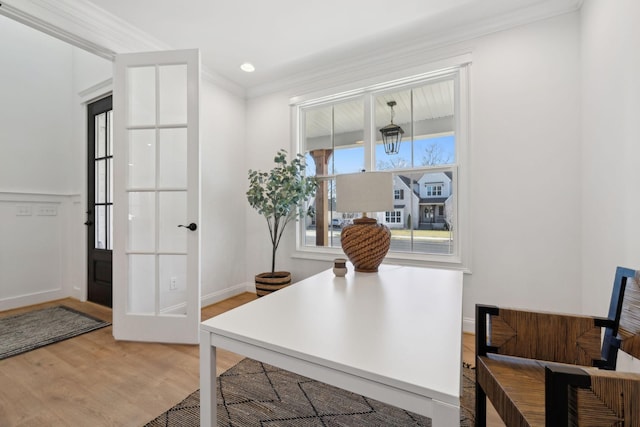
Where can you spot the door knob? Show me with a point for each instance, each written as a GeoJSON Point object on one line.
{"type": "Point", "coordinates": [192, 226]}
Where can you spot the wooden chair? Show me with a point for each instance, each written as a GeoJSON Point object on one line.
{"type": "Point", "coordinates": [549, 369]}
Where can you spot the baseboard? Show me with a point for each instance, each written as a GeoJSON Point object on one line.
{"type": "Point", "coordinates": [469, 325]}
{"type": "Point", "coordinates": [78, 294]}
{"type": "Point", "coordinates": [223, 294]}
{"type": "Point", "coordinates": [212, 298]}
{"type": "Point", "coordinates": [177, 309]}
{"type": "Point", "coordinates": [31, 299]}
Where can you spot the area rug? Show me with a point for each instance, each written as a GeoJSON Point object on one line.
{"type": "Point", "coordinates": [27, 331]}
{"type": "Point", "coordinates": [256, 394]}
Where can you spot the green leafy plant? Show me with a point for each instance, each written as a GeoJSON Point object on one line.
{"type": "Point", "coordinates": [280, 195]}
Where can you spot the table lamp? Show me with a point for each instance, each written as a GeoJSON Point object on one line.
{"type": "Point", "coordinates": [365, 242]}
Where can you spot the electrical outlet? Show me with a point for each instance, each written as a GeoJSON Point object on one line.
{"type": "Point", "coordinates": [47, 211]}
{"type": "Point", "coordinates": [173, 284]}
{"type": "Point", "coordinates": [23, 210]}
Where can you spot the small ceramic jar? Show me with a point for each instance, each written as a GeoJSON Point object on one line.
{"type": "Point", "coordinates": [340, 267]}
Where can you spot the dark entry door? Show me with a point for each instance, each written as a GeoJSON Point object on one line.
{"type": "Point", "coordinates": [100, 201]}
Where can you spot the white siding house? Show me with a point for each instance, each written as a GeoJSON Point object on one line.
{"type": "Point", "coordinates": [420, 204]}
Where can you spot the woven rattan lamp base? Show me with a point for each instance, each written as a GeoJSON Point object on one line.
{"type": "Point", "coordinates": [366, 243]}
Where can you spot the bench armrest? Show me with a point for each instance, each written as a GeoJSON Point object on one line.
{"type": "Point", "coordinates": [596, 397]}
{"type": "Point", "coordinates": [554, 337]}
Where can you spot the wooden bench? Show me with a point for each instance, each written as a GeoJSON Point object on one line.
{"type": "Point", "coordinates": [549, 369]}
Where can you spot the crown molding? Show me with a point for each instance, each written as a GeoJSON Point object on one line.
{"type": "Point", "coordinates": [216, 79]}
{"type": "Point", "coordinates": [81, 24]}
{"type": "Point", "coordinates": [360, 62]}
{"type": "Point", "coordinates": [87, 26]}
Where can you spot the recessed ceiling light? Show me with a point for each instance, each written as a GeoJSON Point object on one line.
{"type": "Point", "coordinates": [248, 67]}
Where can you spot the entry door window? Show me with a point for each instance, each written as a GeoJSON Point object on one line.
{"type": "Point", "coordinates": [99, 202]}
{"type": "Point", "coordinates": [103, 181]}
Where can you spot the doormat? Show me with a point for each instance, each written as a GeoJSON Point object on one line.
{"type": "Point", "coordinates": [27, 331]}
{"type": "Point", "coordinates": [256, 394]}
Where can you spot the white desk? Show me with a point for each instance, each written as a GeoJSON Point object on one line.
{"type": "Point", "coordinates": [394, 336]}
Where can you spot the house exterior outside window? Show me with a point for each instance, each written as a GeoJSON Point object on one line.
{"type": "Point", "coordinates": [393, 217]}
{"type": "Point", "coordinates": [340, 134]}
{"type": "Point", "coordinates": [434, 189]}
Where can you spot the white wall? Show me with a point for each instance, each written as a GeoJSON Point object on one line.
{"type": "Point", "coordinates": [268, 130]}
{"type": "Point", "coordinates": [43, 150]}
{"type": "Point", "coordinates": [551, 243]}
{"type": "Point", "coordinates": [555, 128]}
{"type": "Point", "coordinates": [525, 168]}
{"type": "Point", "coordinates": [35, 157]}
{"type": "Point", "coordinates": [35, 108]}
{"type": "Point", "coordinates": [42, 164]}
{"type": "Point", "coordinates": [222, 157]}
{"type": "Point", "coordinates": [611, 148]}
{"type": "Point", "coordinates": [525, 177]}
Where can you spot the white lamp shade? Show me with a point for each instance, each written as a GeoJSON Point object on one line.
{"type": "Point", "coordinates": [364, 192]}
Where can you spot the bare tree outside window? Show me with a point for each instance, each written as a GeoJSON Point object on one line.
{"type": "Point", "coordinates": [393, 163]}
{"type": "Point", "coordinates": [435, 155]}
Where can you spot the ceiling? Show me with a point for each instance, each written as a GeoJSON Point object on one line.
{"type": "Point", "coordinates": [289, 38]}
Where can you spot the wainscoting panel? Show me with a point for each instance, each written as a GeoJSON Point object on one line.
{"type": "Point", "coordinates": [34, 248]}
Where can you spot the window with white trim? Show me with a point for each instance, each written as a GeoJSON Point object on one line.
{"type": "Point", "coordinates": [393, 217]}
{"type": "Point", "coordinates": [340, 134]}
{"type": "Point", "coordinates": [433, 189]}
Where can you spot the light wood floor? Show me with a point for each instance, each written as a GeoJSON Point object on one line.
{"type": "Point", "coordinates": [93, 380]}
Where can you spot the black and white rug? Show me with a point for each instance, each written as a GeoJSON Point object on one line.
{"type": "Point", "coordinates": [27, 331]}
{"type": "Point", "coordinates": [256, 394]}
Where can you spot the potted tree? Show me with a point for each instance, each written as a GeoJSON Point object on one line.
{"type": "Point", "coordinates": [279, 195]}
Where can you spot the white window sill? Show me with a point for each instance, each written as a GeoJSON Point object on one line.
{"type": "Point", "coordinates": [418, 260]}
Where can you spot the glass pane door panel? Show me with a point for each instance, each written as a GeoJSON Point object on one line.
{"type": "Point", "coordinates": [110, 133]}
{"type": "Point", "coordinates": [173, 212]}
{"type": "Point", "coordinates": [173, 280]}
{"type": "Point", "coordinates": [173, 94]}
{"type": "Point", "coordinates": [141, 95]}
{"type": "Point", "coordinates": [110, 220]}
{"type": "Point", "coordinates": [142, 158]}
{"type": "Point", "coordinates": [142, 284]}
{"type": "Point", "coordinates": [100, 135]}
{"type": "Point", "coordinates": [142, 221]}
{"type": "Point", "coordinates": [110, 175]}
{"type": "Point", "coordinates": [101, 227]}
{"type": "Point", "coordinates": [173, 158]}
{"type": "Point", "coordinates": [101, 181]}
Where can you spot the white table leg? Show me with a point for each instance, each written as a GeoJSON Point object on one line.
{"type": "Point", "coordinates": [445, 414]}
{"type": "Point", "coordinates": [208, 406]}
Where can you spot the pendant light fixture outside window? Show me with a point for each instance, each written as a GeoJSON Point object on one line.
{"type": "Point", "coordinates": [391, 134]}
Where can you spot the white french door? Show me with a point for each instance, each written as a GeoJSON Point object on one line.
{"type": "Point", "coordinates": [156, 268]}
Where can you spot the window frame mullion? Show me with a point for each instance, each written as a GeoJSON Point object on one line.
{"type": "Point", "coordinates": [460, 256]}
{"type": "Point", "coordinates": [369, 133]}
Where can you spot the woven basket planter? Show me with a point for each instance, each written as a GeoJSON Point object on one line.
{"type": "Point", "coordinates": [268, 282]}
